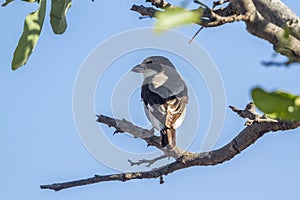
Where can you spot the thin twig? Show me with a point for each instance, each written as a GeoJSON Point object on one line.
{"type": "Point", "coordinates": [219, 3]}
{"type": "Point", "coordinates": [148, 162]}
{"type": "Point", "coordinates": [191, 40]}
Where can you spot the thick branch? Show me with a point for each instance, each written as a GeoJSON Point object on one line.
{"type": "Point", "coordinates": [279, 14]}
{"type": "Point", "coordinates": [259, 127]}
{"type": "Point", "coordinates": [262, 23]}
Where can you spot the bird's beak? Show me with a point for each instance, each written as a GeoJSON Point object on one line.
{"type": "Point", "coordinates": [138, 69]}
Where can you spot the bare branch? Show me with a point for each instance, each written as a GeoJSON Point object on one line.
{"type": "Point", "coordinates": [148, 162]}
{"type": "Point", "coordinates": [218, 3]}
{"type": "Point", "coordinates": [138, 132]}
{"type": "Point", "coordinates": [259, 127]}
{"type": "Point", "coordinates": [144, 11]}
{"type": "Point", "coordinates": [248, 113]}
{"type": "Point", "coordinates": [275, 64]}
{"type": "Point", "coordinates": [159, 3]}
{"type": "Point", "coordinates": [218, 20]}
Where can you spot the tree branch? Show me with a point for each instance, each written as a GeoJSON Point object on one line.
{"type": "Point", "coordinates": [148, 162]}
{"type": "Point", "coordinates": [262, 23]}
{"type": "Point", "coordinates": [279, 14]}
{"type": "Point", "coordinates": [210, 18]}
{"type": "Point", "coordinates": [269, 20]}
{"type": "Point", "coordinates": [255, 130]}
{"type": "Point", "coordinates": [138, 132]}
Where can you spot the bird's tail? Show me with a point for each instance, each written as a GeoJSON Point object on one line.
{"type": "Point", "coordinates": [168, 137]}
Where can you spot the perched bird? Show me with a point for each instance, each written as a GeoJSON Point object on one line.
{"type": "Point", "coordinates": [165, 96]}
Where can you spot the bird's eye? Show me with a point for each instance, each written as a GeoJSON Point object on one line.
{"type": "Point", "coordinates": [149, 62]}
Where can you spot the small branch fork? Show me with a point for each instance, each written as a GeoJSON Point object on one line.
{"type": "Point", "coordinates": [210, 18]}
{"type": "Point", "coordinates": [259, 126]}
{"type": "Point", "coordinates": [264, 20]}
{"type": "Point", "coordinates": [148, 162]}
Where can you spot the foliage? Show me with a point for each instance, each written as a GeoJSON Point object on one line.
{"type": "Point", "coordinates": [277, 104]}
{"type": "Point", "coordinates": [32, 29]}
{"type": "Point", "coordinates": [58, 15]}
{"type": "Point", "coordinates": [173, 17]}
{"type": "Point", "coordinates": [33, 26]}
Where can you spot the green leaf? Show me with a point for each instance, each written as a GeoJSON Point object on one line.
{"type": "Point", "coordinates": [32, 29]}
{"type": "Point", "coordinates": [58, 13]}
{"type": "Point", "coordinates": [9, 1]}
{"type": "Point", "coordinates": [173, 17]}
{"type": "Point", "coordinates": [277, 104]}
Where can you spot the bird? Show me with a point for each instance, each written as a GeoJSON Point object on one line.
{"type": "Point", "coordinates": [165, 95]}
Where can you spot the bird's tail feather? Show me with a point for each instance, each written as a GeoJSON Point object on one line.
{"type": "Point", "coordinates": [168, 137]}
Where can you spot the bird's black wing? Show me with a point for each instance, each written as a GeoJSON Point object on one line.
{"type": "Point", "coordinates": [154, 103]}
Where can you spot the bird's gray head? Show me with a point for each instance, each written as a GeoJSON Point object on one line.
{"type": "Point", "coordinates": [160, 76]}
{"type": "Point", "coordinates": [153, 65]}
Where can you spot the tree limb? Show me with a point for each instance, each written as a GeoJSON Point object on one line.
{"type": "Point", "coordinates": [255, 130]}
{"type": "Point", "coordinates": [262, 23]}
{"type": "Point", "coordinates": [138, 132]}
{"type": "Point", "coordinates": [270, 20]}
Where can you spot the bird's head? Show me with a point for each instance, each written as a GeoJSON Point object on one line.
{"type": "Point", "coordinates": [153, 65]}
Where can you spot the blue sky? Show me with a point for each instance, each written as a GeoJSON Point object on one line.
{"type": "Point", "coordinates": [40, 143]}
